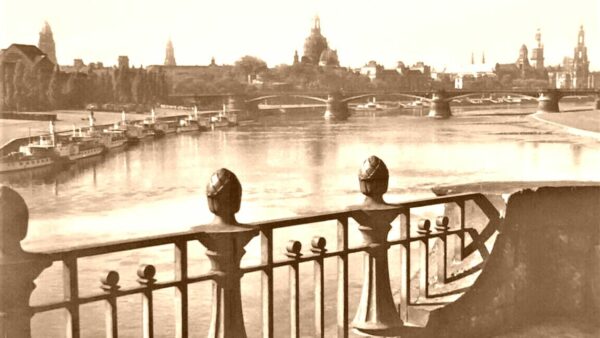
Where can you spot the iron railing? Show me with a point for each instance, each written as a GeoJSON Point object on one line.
{"type": "Point", "coordinates": [377, 314]}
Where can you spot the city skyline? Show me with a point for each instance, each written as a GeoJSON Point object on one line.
{"type": "Point", "coordinates": [272, 30]}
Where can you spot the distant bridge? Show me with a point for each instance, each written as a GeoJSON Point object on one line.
{"type": "Point", "coordinates": [337, 103]}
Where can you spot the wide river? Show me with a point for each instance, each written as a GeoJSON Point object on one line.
{"type": "Point", "coordinates": [289, 164]}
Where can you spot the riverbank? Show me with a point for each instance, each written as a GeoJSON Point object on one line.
{"type": "Point", "coordinates": [65, 121]}
{"type": "Point", "coordinates": [580, 123]}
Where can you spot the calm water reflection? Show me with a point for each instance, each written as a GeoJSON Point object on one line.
{"type": "Point", "coordinates": [291, 164]}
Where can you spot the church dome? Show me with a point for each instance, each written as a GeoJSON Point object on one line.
{"type": "Point", "coordinates": [315, 44]}
{"type": "Point", "coordinates": [329, 57]}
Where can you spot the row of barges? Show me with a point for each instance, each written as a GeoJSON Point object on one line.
{"type": "Point", "coordinates": [58, 149]}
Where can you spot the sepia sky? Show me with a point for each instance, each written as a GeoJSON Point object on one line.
{"type": "Point", "coordinates": [440, 32]}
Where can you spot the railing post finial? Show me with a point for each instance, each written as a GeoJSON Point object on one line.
{"type": "Point", "coordinates": [224, 194]}
{"type": "Point", "coordinates": [225, 239]}
{"type": "Point", "coordinates": [376, 314]}
{"type": "Point", "coordinates": [18, 268]}
{"type": "Point", "coordinates": [373, 178]}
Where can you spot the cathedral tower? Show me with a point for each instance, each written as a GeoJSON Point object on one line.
{"type": "Point", "coordinates": [170, 54]}
{"type": "Point", "coordinates": [581, 65]}
{"type": "Point", "coordinates": [46, 42]}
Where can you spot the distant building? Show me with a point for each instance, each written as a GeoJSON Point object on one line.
{"type": "Point", "coordinates": [464, 76]}
{"type": "Point", "coordinates": [316, 49]}
{"type": "Point", "coordinates": [329, 58]}
{"type": "Point", "coordinates": [574, 72]}
{"type": "Point", "coordinates": [79, 66]}
{"type": "Point", "coordinates": [415, 77]}
{"type": "Point", "coordinates": [522, 69]}
{"type": "Point", "coordinates": [31, 58]}
{"type": "Point", "coordinates": [371, 70]}
{"type": "Point", "coordinates": [594, 80]}
{"type": "Point", "coordinates": [46, 42]}
{"type": "Point", "coordinates": [170, 54]}
{"type": "Point", "coordinates": [123, 62]}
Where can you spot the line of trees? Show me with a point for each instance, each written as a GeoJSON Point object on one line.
{"type": "Point", "coordinates": [37, 89]}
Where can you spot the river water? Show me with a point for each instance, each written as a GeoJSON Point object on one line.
{"type": "Point", "coordinates": [289, 164]}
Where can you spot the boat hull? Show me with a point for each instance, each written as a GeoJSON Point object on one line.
{"type": "Point", "coordinates": [18, 165]}
{"type": "Point", "coordinates": [86, 153]}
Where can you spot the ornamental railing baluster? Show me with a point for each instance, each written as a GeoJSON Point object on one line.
{"type": "Point", "coordinates": [225, 239]}
{"type": "Point", "coordinates": [376, 313]}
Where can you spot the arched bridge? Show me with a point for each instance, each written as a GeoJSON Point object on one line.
{"type": "Point", "coordinates": [336, 103]}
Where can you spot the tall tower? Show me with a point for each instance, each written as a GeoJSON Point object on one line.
{"type": "Point", "coordinates": [537, 54]}
{"type": "Point", "coordinates": [46, 42]}
{"type": "Point", "coordinates": [170, 54]}
{"type": "Point", "coordinates": [472, 58]}
{"type": "Point", "coordinates": [296, 58]}
{"type": "Point", "coordinates": [483, 58]}
{"type": "Point", "coordinates": [581, 65]}
{"type": "Point", "coordinates": [523, 61]}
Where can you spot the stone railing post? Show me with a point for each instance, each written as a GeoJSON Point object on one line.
{"type": "Point", "coordinates": [18, 269]}
{"type": "Point", "coordinates": [225, 239]}
{"type": "Point", "coordinates": [376, 313]}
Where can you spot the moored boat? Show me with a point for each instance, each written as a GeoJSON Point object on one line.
{"type": "Point", "coordinates": [223, 119]}
{"type": "Point", "coordinates": [112, 139]}
{"type": "Point", "coordinates": [21, 161]}
{"type": "Point", "coordinates": [167, 127]}
{"type": "Point", "coordinates": [84, 148]}
{"type": "Point", "coordinates": [188, 125]}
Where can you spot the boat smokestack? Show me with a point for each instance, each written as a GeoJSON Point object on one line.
{"type": "Point", "coordinates": [92, 119]}
{"type": "Point", "coordinates": [52, 136]}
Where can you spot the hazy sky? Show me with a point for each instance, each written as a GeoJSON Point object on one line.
{"type": "Point", "coordinates": [439, 32]}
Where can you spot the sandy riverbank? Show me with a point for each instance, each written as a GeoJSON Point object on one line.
{"type": "Point", "coordinates": [581, 123]}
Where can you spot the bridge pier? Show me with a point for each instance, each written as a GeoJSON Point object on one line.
{"type": "Point", "coordinates": [548, 102]}
{"type": "Point", "coordinates": [336, 109]}
{"type": "Point", "coordinates": [440, 106]}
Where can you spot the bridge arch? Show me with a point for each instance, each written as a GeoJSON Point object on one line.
{"type": "Point", "coordinates": [498, 92]}
{"type": "Point", "coordinates": [352, 98]}
{"type": "Point", "coordinates": [261, 98]}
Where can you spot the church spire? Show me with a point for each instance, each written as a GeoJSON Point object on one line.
{"type": "Point", "coordinates": [170, 54]}
{"type": "Point", "coordinates": [46, 42]}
